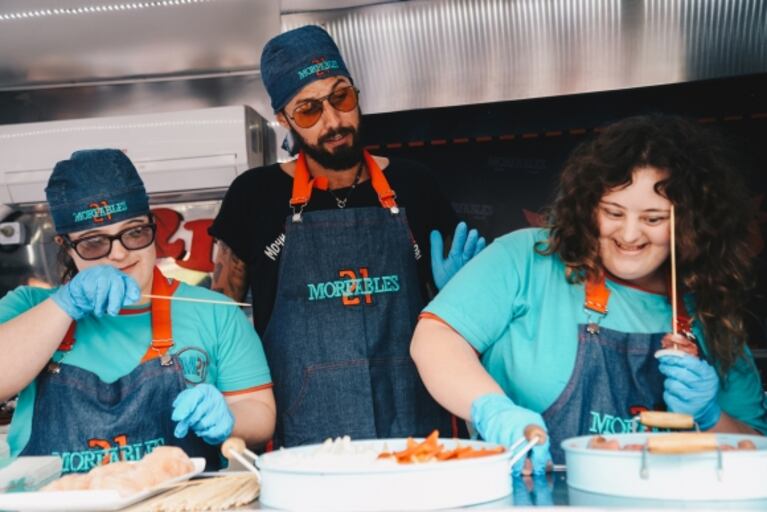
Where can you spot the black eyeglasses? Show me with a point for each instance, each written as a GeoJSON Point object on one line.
{"type": "Point", "coordinates": [308, 112]}
{"type": "Point", "coordinates": [97, 246]}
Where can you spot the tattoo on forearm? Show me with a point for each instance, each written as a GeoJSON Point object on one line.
{"type": "Point", "coordinates": [229, 273]}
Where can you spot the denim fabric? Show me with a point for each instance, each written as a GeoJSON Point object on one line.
{"type": "Point", "coordinates": [615, 377]}
{"type": "Point", "coordinates": [94, 188]}
{"type": "Point", "coordinates": [87, 422]}
{"type": "Point", "coordinates": [296, 58]}
{"type": "Point", "coordinates": [346, 369]}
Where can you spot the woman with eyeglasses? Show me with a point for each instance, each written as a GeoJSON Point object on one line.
{"type": "Point", "coordinates": [104, 373]}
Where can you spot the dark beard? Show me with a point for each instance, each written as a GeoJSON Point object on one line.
{"type": "Point", "coordinates": [344, 157]}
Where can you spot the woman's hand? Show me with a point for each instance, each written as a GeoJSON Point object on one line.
{"type": "Point", "coordinates": [99, 290]}
{"type": "Point", "coordinates": [499, 420]}
{"type": "Point", "coordinates": [691, 387]}
{"type": "Point", "coordinates": [203, 409]}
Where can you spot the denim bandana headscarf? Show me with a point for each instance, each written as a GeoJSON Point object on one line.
{"type": "Point", "coordinates": [95, 187]}
{"type": "Point", "coordinates": [296, 58]}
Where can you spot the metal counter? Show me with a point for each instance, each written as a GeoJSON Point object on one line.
{"type": "Point", "coordinates": [552, 491]}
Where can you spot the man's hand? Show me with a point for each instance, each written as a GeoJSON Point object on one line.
{"type": "Point", "coordinates": [466, 244]}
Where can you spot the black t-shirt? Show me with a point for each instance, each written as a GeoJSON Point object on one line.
{"type": "Point", "coordinates": [253, 214]}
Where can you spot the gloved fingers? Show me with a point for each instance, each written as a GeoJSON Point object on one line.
{"type": "Point", "coordinates": [681, 389]}
{"type": "Point", "coordinates": [185, 403]}
{"type": "Point", "coordinates": [540, 456]}
{"type": "Point", "coordinates": [481, 243]}
{"type": "Point", "coordinates": [470, 246]}
{"type": "Point", "coordinates": [459, 240]}
{"type": "Point", "coordinates": [678, 373]}
{"type": "Point", "coordinates": [115, 296]}
{"type": "Point", "coordinates": [697, 366]}
{"type": "Point", "coordinates": [675, 403]}
{"type": "Point", "coordinates": [100, 297]}
{"type": "Point", "coordinates": [181, 430]}
{"type": "Point", "coordinates": [132, 291]}
{"type": "Point", "coordinates": [216, 434]}
{"type": "Point", "coordinates": [516, 469]}
{"type": "Point", "coordinates": [437, 248]}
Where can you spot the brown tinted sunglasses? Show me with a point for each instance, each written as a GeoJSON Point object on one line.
{"type": "Point", "coordinates": [308, 112]}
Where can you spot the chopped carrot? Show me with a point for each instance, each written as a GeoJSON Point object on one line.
{"type": "Point", "coordinates": [430, 450]}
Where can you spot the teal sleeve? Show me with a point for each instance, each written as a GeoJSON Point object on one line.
{"type": "Point", "coordinates": [742, 396]}
{"type": "Point", "coordinates": [21, 300]}
{"type": "Point", "coordinates": [481, 300]}
{"type": "Point", "coordinates": [241, 359]}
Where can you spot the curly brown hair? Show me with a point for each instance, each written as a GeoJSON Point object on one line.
{"type": "Point", "coordinates": [712, 210]}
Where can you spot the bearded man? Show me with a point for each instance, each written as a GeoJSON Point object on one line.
{"type": "Point", "coordinates": [334, 259]}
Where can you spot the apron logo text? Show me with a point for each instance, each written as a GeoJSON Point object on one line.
{"type": "Point", "coordinates": [352, 289]}
{"type": "Point", "coordinates": [103, 452]}
{"type": "Point", "coordinates": [609, 424]}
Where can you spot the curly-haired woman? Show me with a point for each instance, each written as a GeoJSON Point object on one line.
{"type": "Point", "coordinates": [559, 326]}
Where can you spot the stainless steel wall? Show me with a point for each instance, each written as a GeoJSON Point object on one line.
{"type": "Point", "coordinates": [423, 54]}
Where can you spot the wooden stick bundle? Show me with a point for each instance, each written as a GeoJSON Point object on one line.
{"type": "Point", "coordinates": [217, 493]}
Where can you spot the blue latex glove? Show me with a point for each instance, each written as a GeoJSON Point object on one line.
{"type": "Point", "coordinates": [99, 290]}
{"type": "Point", "coordinates": [466, 245]}
{"type": "Point", "coordinates": [203, 409]}
{"type": "Point", "coordinates": [499, 420]}
{"type": "Point", "coordinates": [691, 387]}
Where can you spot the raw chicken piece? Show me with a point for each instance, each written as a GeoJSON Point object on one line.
{"type": "Point", "coordinates": [164, 463]}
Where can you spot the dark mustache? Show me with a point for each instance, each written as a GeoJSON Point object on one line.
{"type": "Point", "coordinates": [340, 131]}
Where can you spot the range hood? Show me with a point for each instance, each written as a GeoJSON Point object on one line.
{"type": "Point", "coordinates": [174, 152]}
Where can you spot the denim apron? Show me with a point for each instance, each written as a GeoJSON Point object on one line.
{"type": "Point", "coordinates": [88, 422]}
{"type": "Point", "coordinates": [615, 377]}
{"type": "Point", "coordinates": [339, 336]}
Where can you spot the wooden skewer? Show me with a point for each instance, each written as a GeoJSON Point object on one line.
{"type": "Point", "coordinates": [190, 299]}
{"type": "Point", "coordinates": [672, 227]}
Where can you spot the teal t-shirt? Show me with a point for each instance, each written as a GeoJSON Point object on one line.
{"type": "Point", "coordinates": [111, 347]}
{"type": "Point", "coordinates": [516, 308]}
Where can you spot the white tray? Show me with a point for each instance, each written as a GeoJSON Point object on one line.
{"type": "Point", "coordinates": [691, 476]}
{"type": "Point", "coordinates": [370, 485]}
{"type": "Point", "coordinates": [87, 500]}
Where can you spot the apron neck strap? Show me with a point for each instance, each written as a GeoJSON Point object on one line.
{"type": "Point", "coordinates": [597, 296]}
{"type": "Point", "coordinates": [162, 330]}
{"type": "Point", "coordinates": [303, 183]}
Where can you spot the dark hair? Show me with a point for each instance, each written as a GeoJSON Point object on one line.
{"type": "Point", "coordinates": [712, 211]}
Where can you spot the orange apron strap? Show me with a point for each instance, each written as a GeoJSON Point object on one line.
{"type": "Point", "coordinates": [162, 329]}
{"type": "Point", "coordinates": [386, 195]}
{"type": "Point", "coordinates": [69, 338]}
{"type": "Point", "coordinates": [683, 318]}
{"type": "Point", "coordinates": [597, 295]}
{"type": "Point", "coordinates": [303, 183]}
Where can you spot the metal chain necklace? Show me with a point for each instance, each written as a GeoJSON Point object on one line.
{"type": "Point", "coordinates": [341, 202]}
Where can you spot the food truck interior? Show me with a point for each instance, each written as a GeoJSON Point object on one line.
{"type": "Point", "coordinates": [490, 94]}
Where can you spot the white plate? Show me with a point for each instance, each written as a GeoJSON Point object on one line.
{"type": "Point", "coordinates": [87, 500]}
{"type": "Point", "coordinates": [361, 484]}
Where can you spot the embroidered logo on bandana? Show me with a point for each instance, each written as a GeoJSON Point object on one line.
{"type": "Point", "coordinates": [354, 287]}
{"type": "Point", "coordinates": [318, 68]}
{"type": "Point", "coordinates": [98, 212]}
